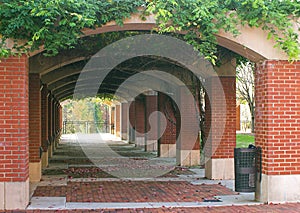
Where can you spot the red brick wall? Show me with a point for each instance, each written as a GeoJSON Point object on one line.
{"type": "Point", "coordinates": [151, 106]}
{"type": "Point", "coordinates": [112, 120]}
{"type": "Point", "coordinates": [14, 153]}
{"type": "Point", "coordinates": [118, 122]}
{"type": "Point", "coordinates": [60, 118]}
{"type": "Point", "coordinates": [44, 117]}
{"type": "Point", "coordinates": [34, 118]}
{"type": "Point", "coordinates": [50, 118]}
{"type": "Point", "coordinates": [277, 116]}
{"type": "Point", "coordinates": [165, 107]}
{"type": "Point", "coordinates": [124, 120]}
{"type": "Point", "coordinates": [140, 116]}
{"type": "Point", "coordinates": [53, 118]}
{"type": "Point", "coordinates": [132, 121]}
{"type": "Point", "coordinates": [56, 126]}
{"type": "Point", "coordinates": [228, 139]}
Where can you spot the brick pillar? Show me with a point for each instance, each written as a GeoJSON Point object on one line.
{"type": "Point", "coordinates": [151, 128]}
{"type": "Point", "coordinates": [14, 153]}
{"type": "Point", "coordinates": [188, 146]}
{"type": "Point", "coordinates": [167, 141]}
{"type": "Point", "coordinates": [118, 120]}
{"type": "Point", "coordinates": [140, 121]}
{"type": "Point", "coordinates": [60, 119]}
{"type": "Point", "coordinates": [35, 166]}
{"type": "Point", "coordinates": [132, 122]}
{"type": "Point", "coordinates": [57, 127]}
{"type": "Point", "coordinates": [221, 141]}
{"type": "Point", "coordinates": [53, 125]}
{"type": "Point", "coordinates": [112, 119]}
{"type": "Point", "coordinates": [277, 130]}
{"type": "Point", "coordinates": [44, 122]}
{"type": "Point", "coordinates": [124, 121]}
{"type": "Point", "coordinates": [53, 122]}
{"type": "Point", "coordinates": [50, 125]}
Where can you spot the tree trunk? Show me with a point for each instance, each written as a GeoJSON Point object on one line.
{"type": "Point", "coordinates": [251, 106]}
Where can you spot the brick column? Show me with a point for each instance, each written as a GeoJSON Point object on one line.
{"type": "Point", "coordinates": [53, 111]}
{"type": "Point", "coordinates": [112, 120]}
{"type": "Point", "coordinates": [44, 122]}
{"type": "Point", "coordinates": [35, 166]}
{"type": "Point", "coordinates": [50, 125]}
{"type": "Point", "coordinates": [151, 129]}
{"type": "Point", "coordinates": [132, 122]}
{"type": "Point", "coordinates": [167, 141]}
{"type": "Point", "coordinates": [53, 122]}
{"type": "Point", "coordinates": [118, 120]}
{"type": "Point", "coordinates": [140, 121]}
{"type": "Point", "coordinates": [57, 127]}
{"type": "Point", "coordinates": [60, 119]}
{"type": "Point", "coordinates": [14, 153]}
{"type": "Point", "coordinates": [124, 121]}
{"type": "Point", "coordinates": [277, 130]}
{"type": "Point", "coordinates": [188, 146]}
{"type": "Point", "coordinates": [221, 141]}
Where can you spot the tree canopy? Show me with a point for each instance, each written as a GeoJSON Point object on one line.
{"type": "Point", "coordinates": [58, 24]}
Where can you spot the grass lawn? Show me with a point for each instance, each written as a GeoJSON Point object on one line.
{"type": "Point", "coordinates": [243, 140]}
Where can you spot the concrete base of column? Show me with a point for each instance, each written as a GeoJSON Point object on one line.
{"type": "Point", "coordinates": [188, 157]}
{"type": "Point", "coordinates": [45, 159]}
{"type": "Point", "coordinates": [151, 146]}
{"type": "Point", "coordinates": [56, 142]}
{"type": "Point", "coordinates": [278, 188]}
{"type": "Point", "coordinates": [140, 142]}
{"type": "Point", "coordinates": [220, 169]}
{"type": "Point", "coordinates": [124, 136]}
{"type": "Point", "coordinates": [35, 171]}
{"type": "Point", "coordinates": [14, 195]}
{"type": "Point", "coordinates": [167, 150]}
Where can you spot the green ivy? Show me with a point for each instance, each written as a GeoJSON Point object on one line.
{"type": "Point", "coordinates": [203, 19]}
{"type": "Point", "coordinates": [58, 24]}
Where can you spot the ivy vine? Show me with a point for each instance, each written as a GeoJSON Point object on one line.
{"type": "Point", "coordinates": [58, 24]}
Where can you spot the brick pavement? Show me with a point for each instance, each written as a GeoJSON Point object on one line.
{"type": "Point", "coordinates": [133, 191]}
{"type": "Point", "coordinates": [124, 191]}
{"type": "Point", "coordinates": [279, 208]}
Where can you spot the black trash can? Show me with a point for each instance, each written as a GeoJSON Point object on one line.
{"type": "Point", "coordinates": [245, 161]}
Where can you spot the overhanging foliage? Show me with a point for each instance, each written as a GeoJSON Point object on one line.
{"type": "Point", "coordinates": [58, 24]}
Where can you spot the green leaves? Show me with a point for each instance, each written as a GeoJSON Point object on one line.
{"type": "Point", "coordinates": [58, 24]}
{"type": "Point", "coordinates": [203, 19]}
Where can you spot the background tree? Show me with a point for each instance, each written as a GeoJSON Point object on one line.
{"type": "Point", "coordinates": [91, 109]}
{"type": "Point", "coordinates": [245, 87]}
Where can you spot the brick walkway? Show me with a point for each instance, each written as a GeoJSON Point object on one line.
{"type": "Point", "coordinates": [133, 191]}
{"type": "Point", "coordinates": [72, 177]}
{"type": "Point", "coordinates": [288, 208]}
